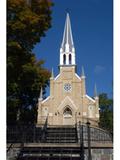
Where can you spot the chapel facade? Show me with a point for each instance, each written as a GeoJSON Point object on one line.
{"type": "Point", "coordinates": [68, 102]}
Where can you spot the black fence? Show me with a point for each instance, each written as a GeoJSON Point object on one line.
{"type": "Point", "coordinates": [82, 134]}
{"type": "Point", "coordinates": [32, 134]}
{"type": "Point", "coordinates": [24, 133]}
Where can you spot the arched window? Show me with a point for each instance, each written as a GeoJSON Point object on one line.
{"type": "Point", "coordinates": [64, 59]}
{"type": "Point", "coordinates": [67, 112]}
{"type": "Point", "coordinates": [70, 59]}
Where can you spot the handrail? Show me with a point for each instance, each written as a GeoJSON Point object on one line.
{"type": "Point", "coordinates": [81, 141]}
{"type": "Point", "coordinates": [44, 129]}
{"type": "Point", "coordinates": [10, 147]}
{"type": "Point", "coordinates": [14, 133]}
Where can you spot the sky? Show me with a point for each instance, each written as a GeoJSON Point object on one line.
{"type": "Point", "coordinates": [92, 29]}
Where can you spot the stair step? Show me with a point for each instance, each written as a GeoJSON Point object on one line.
{"type": "Point", "coordinates": [58, 149]}
{"type": "Point", "coordinates": [59, 133]}
{"type": "Point", "coordinates": [48, 141]}
{"type": "Point", "coordinates": [50, 158]}
{"type": "Point", "coordinates": [62, 129]}
{"type": "Point", "coordinates": [63, 135]}
{"type": "Point", "coordinates": [64, 138]}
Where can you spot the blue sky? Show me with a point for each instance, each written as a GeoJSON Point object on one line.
{"type": "Point", "coordinates": [92, 25]}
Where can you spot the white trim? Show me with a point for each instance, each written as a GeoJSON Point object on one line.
{"type": "Point", "coordinates": [77, 76]}
{"type": "Point", "coordinates": [90, 98]}
{"type": "Point", "coordinates": [57, 77]}
{"type": "Point", "coordinates": [45, 99]}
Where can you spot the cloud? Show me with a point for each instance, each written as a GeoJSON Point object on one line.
{"type": "Point", "coordinates": [99, 69]}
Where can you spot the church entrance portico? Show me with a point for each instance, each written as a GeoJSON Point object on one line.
{"type": "Point", "coordinates": [67, 116]}
{"type": "Point", "coordinates": [67, 110]}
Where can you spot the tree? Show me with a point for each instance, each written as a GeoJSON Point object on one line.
{"type": "Point", "coordinates": [106, 112]}
{"type": "Point", "coordinates": [27, 22]}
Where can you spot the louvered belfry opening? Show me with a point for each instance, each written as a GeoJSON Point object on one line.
{"type": "Point", "coordinates": [64, 59]}
{"type": "Point", "coordinates": [70, 59]}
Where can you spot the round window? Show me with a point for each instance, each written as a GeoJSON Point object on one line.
{"type": "Point", "coordinates": [67, 87]}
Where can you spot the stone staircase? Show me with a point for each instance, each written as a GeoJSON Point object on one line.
{"type": "Point", "coordinates": [66, 134]}
{"type": "Point", "coordinates": [59, 143]}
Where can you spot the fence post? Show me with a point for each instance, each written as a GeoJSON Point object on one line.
{"type": "Point", "coordinates": [89, 140]}
{"type": "Point", "coordinates": [81, 142]}
{"type": "Point", "coordinates": [34, 133]}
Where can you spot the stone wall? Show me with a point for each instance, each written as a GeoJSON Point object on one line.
{"type": "Point", "coordinates": [100, 154]}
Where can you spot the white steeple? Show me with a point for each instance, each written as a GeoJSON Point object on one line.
{"type": "Point", "coordinates": [67, 50]}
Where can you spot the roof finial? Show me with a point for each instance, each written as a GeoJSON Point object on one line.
{"type": "Point", "coordinates": [95, 91]}
{"type": "Point", "coordinates": [41, 94]}
{"type": "Point", "coordinates": [52, 73]}
{"type": "Point", "coordinates": [83, 73]}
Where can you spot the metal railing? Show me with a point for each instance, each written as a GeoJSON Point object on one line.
{"type": "Point", "coordinates": [96, 134]}
{"type": "Point", "coordinates": [85, 134]}
{"type": "Point", "coordinates": [88, 134]}
{"type": "Point", "coordinates": [44, 131]}
{"type": "Point", "coordinates": [31, 133]}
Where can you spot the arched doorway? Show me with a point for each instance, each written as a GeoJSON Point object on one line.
{"type": "Point", "coordinates": [67, 116]}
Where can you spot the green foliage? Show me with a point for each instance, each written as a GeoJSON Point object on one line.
{"type": "Point", "coordinates": [26, 24]}
{"type": "Point", "coordinates": [106, 112]}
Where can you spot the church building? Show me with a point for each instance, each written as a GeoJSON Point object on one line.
{"type": "Point", "coordinates": [68, 102]}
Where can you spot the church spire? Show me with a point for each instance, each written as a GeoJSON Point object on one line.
{"type": "Point", "coordinates": [67, 42]}
{"type": "Point", "coordinates": [67, 50]}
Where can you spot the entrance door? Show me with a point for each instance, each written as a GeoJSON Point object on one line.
{"type": "Point", "coordinates": [67, 121]}
{"type": "Point", "coordinates": [67, 116]}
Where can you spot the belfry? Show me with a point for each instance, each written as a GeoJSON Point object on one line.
{"type": "Point", "coordinates": [68, 102]}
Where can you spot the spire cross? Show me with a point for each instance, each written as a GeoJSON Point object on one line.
{"type": "Point", "coordinates": [67, 10]}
